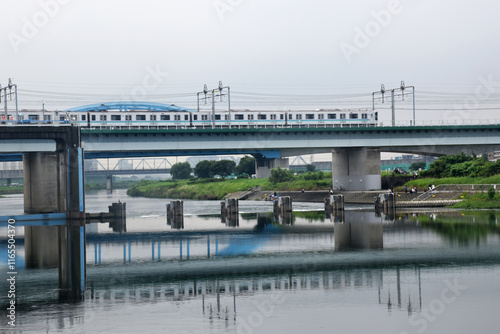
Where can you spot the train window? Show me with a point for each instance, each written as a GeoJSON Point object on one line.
{"type": "Point", "coordinates": [177, 117]}
{"type": "Point", "coordinates": [217, 117]}
{"type": "Point", "coordinates": [140, 117]}
{"type": "Point", "coordinates": [298, 116]}
{"type": "Point", "coordinates": [152, 117]}
{"type": "Point", "coordinates": [35, 117]}
{"type": "Point", "coordinates": [74, 118]}
{"type": "Point", "coordinates": [195, 117]}
{"type": "Point", "coordinates": [128, 117]}
{"type": "Point", "coordinates": [84, 117]}
{"type": "Point", "coordinates": [204, 117]}
{"type": "Point", "coordinates": [260, 116]}
{"type": "Point", "coordinates": [238, 117]}
{"type": "Point", "coordinates": [103, 117]}
{"type": "Point", "coordinates": [281, 116]}
{"type": "Point", "coordinates": [116, 117]}
{"type": "Point", "coordinates": [273, 116]}
{"type": "Point", "coordinates": [290, 116]}
{"type": "Point", "coordinates": [332, 116]}
{"type": "Point", "coordinates": [93, 117]}
{"type": "Point", "coordinates": [321, 116]}
{"type": "Point", "coordinates": [250, 117]}
{"type": "Point", "coordinates": [364, 116]}
{"type": "Point", "coordinates": [353, 116]}
{"type": "Point", "coordinates": [342, 116]}
{"type": "Point", "coordinates": [186, 117]}
{"type": "Point", "coordinates": [226, 117]}
{"type": "Point", "coordinates": [309, 116]}
{"type": "Point", "coordinates": [165, 117]}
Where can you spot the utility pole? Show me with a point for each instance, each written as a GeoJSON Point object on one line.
{"type": "Point", "coordinates": [9, 94]}
{"type": "Point", "coordinates": [401, 91]}
{"type": "Point", "coordinates": [216, 92]}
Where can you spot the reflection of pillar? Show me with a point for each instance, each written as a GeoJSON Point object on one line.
{"type": "Point", "coordinates": [40, 249]}
{"type": "Point", "coordinates": [356, 169]}
{"type": "Point", "coordinates": [9, 182]}
{"type": "Point", "coordinates": [360, 230]}
{"type": "Point", "coordinates": [263, 166]}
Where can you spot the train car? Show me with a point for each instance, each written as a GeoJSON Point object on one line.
{"type": "Point", "coordinates": [184, 118]}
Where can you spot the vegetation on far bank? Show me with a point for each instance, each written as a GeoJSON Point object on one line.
{"type": "Point", "coordinates": [11, 190]}
{"type": "Point", "coordinates": [213, 189]}
{"type": "Point", "coordinates": [463, 169]}
{"type": "Point", "coordinates": [479, 201]}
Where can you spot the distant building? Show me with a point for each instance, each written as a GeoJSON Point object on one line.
{"type": "Point", "coordinates": [494, 156]}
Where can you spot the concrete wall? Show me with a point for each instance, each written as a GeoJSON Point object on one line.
{"type": "Point", "coordinates": [263, 166]}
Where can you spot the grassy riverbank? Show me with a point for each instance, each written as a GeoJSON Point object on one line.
{"type": "Point", "coordinates": [479, 201]}
{"type": "Point", "coordinates": [484, 200]}
{"type": "Point", "coordinates": [213, 189]}
{"type": "Point", "coordinates": [11, 190]}
{"type": "Point", "coordinates": [423, 183]}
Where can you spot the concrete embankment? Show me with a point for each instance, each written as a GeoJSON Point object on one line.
{"type": "Point", "coordinates": [438, 199]}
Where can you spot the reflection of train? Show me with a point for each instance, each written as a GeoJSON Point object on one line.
{"type": "Point", "coordinates": [201, 119]}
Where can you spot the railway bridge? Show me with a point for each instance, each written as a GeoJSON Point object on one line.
{"type": "Point", "coordinates": [355, 150]}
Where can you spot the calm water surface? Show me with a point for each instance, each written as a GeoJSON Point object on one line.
{"type": "Point", "coordinates": [422, 272]}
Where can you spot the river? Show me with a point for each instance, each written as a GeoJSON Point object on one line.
{"type": "Point", "coordinates": [426, 271]}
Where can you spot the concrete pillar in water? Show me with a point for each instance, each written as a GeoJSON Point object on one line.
{"type": "Point", "coordinates": [283, 208]}
{"type": "Point", "coordinates": [175, 214]}
{"type": "Point", "coordinates": [389, 206]}
{"type": "Point", "coordinates": [109, 183]}
{"type": "Point", "coordinates": [53, 183]}
{"type": "Point", "coordinates": [356, 169]}
{"type": "Point", "coordinates": [263, 166]}
{"type": "Point", "coordinates": [118, 212]}
{"type": "Point", "coordinates": [230, 212]}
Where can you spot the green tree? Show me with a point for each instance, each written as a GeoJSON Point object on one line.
{"type": "Point", "coordinates": [418, 165]}
{"type": "Point", "coordinates": [310, 168]}
{"type": "Point", "coordinates": [224, 168]}
{"type": "Point", "coordinates": [181, 170]}
{"type": "Point", "coordinates": [204, 169]}
{"type": "Point", "coordinates": [279, 175]}
{"type": "Point", "coordinates": [246, 166]}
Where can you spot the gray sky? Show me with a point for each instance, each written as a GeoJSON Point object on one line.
{"type": "Point", "coordinates": [278, 54]}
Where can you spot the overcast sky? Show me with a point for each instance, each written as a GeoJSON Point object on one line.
{"type": "Point", "coordinates": [278, 54]}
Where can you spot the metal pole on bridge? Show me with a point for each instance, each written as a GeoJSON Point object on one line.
{"type": "Point", "coordinates": [393, 108]}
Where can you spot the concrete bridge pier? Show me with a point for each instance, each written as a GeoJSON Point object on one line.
{"type": "Point", "coordinates": [264, 165]}
{"type": "Point", "coordinates": [109, 183]}
{"type": "Point", "coordinates": [356, 169]}
{"type": "Point", "coordinates": [53, 183]}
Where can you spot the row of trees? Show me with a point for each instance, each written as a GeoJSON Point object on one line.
{"type": "Point", "coordinates": [462, 165]}
{"type": "Point", "coordinates": [209, 169]}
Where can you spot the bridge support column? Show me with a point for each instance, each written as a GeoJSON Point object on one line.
{"type": "Point", "coordinates": [53, 183]}
{"type": "Point", "coordinates": [356, 169]}
{"type": "Point", "coordinates": [263, 166]}
{"type": "Point", "coordinates": [109, 183]}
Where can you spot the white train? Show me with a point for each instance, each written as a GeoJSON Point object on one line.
{"type": "Point", "coordinates": [138, 119]}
